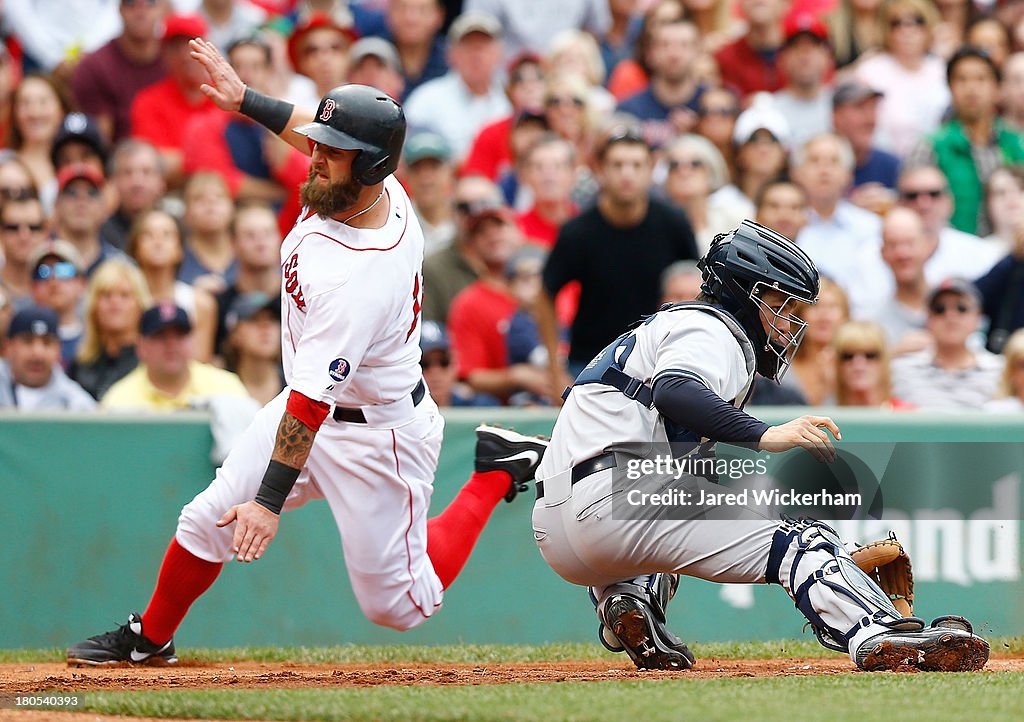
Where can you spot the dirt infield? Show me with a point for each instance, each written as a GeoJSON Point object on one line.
{"type": "Point", "coordinates": [24, 678]}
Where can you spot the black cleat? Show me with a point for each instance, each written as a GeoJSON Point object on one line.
{"type": "Point", "coordinates": [939, 648]}
{"type": "Point", "coordinates": [125, 645]}
{"type": "Point", "coordinates": [499, 449]}
{"type": "Point", "coordinates": [647, 642]}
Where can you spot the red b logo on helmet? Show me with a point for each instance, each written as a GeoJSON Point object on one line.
{"type": "Point", "coordinates": [328, 109]}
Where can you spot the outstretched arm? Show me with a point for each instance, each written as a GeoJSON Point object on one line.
{"type": "Point", "coordinates": [228, 92]}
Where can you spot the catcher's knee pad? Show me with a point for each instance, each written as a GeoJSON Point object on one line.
{"type": "Point", "coordinates": [841, 602]}
{"type": "Point", "coordinates": [632, 615]}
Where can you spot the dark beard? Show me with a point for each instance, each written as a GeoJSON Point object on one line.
{"type": "Point", "coordinates": [328, 201]}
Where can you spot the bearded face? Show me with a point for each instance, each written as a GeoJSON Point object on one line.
{"type": "Point", "coordinates": [329, 199]}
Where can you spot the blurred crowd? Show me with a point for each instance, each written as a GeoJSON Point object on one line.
{"type": "Point", "coordinates": [569, 160]}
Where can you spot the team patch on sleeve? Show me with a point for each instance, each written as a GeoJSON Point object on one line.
{"type": "Point", "coordinates": [338, 370]}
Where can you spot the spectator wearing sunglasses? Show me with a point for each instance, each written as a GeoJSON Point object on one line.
{"type": "Point", "coordinates": [22, 227]}
{"type": "Point", "coordinates": [696, 174]}
{"type": "Point", "coordinates": [975, 141]}
{"type": "Point", "coordinates": [926, 190]}
{"type": "Point", "coordinates": [910, 77]}
{"type": "Point", "coordinates": [80, 212]}
{"type": "Point", "coordinates": [863, 376]}
{"type": "Point", "coordinates": [31, 378]}
{"type": "Point", "coordinates": [950, 375]}
{"type": "Point", "coordinates": [58, 284]}
{"type": "Point", "coordinates": [441, 372]}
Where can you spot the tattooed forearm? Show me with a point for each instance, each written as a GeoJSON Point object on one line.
{"type": "Point", "coordinates": [294, 440]}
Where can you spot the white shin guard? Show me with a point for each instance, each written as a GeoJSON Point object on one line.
{"type": "Point", "coordinates": [843, 604]}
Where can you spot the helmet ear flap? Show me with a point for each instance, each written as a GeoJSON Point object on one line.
{"type": "Point", "coordinates": [370, 173]}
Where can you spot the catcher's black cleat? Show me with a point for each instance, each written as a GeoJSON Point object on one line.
{"type": "Point", "coordinates": [125, 645]}
{"type": "Point", "coordinates": [647, 642]}
{"type": "Point", "coordinates": [938, 648]}
{"type": "Point", "coordinates": [499, 449]}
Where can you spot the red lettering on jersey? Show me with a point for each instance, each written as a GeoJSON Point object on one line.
{"type": "Point", "coordinates": [416, 305]}
{"type": "Point", "coordinates": [291, 281]}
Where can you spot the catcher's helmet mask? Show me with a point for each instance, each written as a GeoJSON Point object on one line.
{"type": "Point", "coordinates": [740, 267]}
{"type": "Point", "coordinates": [364, 119]}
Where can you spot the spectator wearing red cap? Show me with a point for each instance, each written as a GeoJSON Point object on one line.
{"type": "Point", "coordinates": [806, 62]}
{"type": "Point", "coordinates": [161, 113]}
{"type": "Point", "coordinates": [748, 64]}
{"type": "Point", "coordinates": [319, 49]}
{"type": "Point", "coordinates": [79, 213]}
{"type": "Point", "coordinates": [107, 80]}
{"type": "Point", "coordinates": [414, 26]}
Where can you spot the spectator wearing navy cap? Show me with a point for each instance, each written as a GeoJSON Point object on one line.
{"type": "Point", "coordinates": [106, 81]}
{"type": "Point", "coordinates": [441, 372]}
{"type": "Point", "coordinates": [167, 378]}
{"type": "Point", "coordinates": [806, 62]}
{"type": "Point", "coordinates": [253, 346]}
{"type": "Point", "coordinates": [58, 284]}
{"type": "Point", "coordinates": [79, 141]}
{"type": "Point", "coordinates": [31, 378]}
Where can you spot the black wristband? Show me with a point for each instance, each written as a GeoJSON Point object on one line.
{"type": "Point", "coordinates": [271, 113]}
{"type": "Point", "coordinates": [278, 481]}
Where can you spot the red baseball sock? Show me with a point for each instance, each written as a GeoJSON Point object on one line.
{"type": "Point", "coordinates": [452, 534]}
{"type": "Point", "coordinates": [183, 579]}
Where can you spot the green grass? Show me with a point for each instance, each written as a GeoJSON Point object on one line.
{"type": "Point", "coordinates": [841, 698]}
{"type": "Point", "coordinates": [476, 653]}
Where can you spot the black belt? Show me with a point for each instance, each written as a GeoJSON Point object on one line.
{"type": "Point", "coordinates": [355, 416]}
{"type": "Point", "coordinates": [584, 469]}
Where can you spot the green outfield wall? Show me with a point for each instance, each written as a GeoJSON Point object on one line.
{"type": "Point", "coordinates": [90, 503]}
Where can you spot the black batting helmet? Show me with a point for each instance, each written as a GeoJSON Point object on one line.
{"type": "Point", "coordinates": [358, 117]}
{"type": "Point", "coordinates": [745, 263]}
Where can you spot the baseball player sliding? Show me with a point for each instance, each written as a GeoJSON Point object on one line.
{"type": "Point", "coordinates": [682, 375]}
{"type": "Point", "coordinates": [355, 424]}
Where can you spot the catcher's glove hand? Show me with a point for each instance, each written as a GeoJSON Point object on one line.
{"type": "Point", "coordinates": [888, 564]}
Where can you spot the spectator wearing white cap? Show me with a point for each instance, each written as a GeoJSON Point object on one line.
{"type": "Point", "coordinates": [761, 136]}
{"type": "Point", "coordinates": [950, 375]}
{"type": "Point", "coordinates": [31, 378]}
{"type": "Point", "coordinates": [472, 86]}
{"type": "Point", "coordinates": [806, 61]}
{"type": "Point", "coordinates": [837, 231]}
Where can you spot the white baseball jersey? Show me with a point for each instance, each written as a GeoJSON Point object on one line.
{"type": "Point", "coordinates": [681, 342]}
{"type": "Point", "coordinates": [337, 347]}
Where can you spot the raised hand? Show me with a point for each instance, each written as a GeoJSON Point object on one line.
{"type": "Point", "coordinates": [225, 88]}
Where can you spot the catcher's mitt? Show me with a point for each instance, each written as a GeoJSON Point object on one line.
{"type": "Point", "coordinates": [888, 564]}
